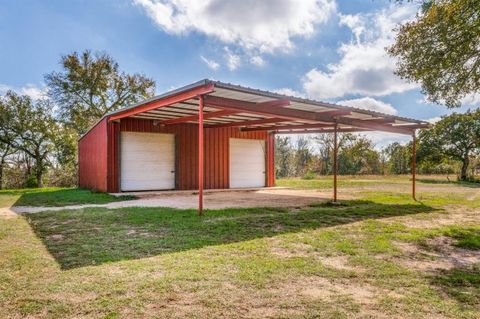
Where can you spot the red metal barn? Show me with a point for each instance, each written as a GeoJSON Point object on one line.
{"type": "Point", "coordinates": [210, 131]}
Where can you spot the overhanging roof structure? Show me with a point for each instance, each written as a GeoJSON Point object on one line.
{"type": "Point", "coordinates": [215, 104]}
{"type": "Point", "coordinates": [228, 105]}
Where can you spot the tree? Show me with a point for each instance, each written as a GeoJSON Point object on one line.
{"type": "Point", "coordinates": [431, 159]}
{"type": "Point", "coordinates": [358, 156]}
{"type": "Point", "coordinates": [283, 157]}
{"type": "Point", "coordinates": [33, 127]}
{"type": "Point", "coordinates": [303, 155]}
{"type": "Point", "coordinates": [5, 151]}
{"type": "Point", "coordinates": [456, 136]}
{"type": "Point", "coordinates": [91, 85]}
{"type": "Point", "coordinates": [325, 150]}
{"type": "Point", "coordinates": [64, 157]}
{"type": "Point", "coordinates": [439, 49]}
{"type": "Point", "coordinates": [399, 158]}
{"type": "Point", "coordinates": [7, 137]}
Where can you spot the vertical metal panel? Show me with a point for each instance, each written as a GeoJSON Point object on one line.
{"type": "Point", "coordinates": [92, 158]}
{"type": "Point", "coordinates": [208, 158]}
{"type": "Point", "coordinates": [200, 155]}
{"type": "Point", "coordinates": [270, 160]}
{"type": "Point", "coordinates": [113, 174]}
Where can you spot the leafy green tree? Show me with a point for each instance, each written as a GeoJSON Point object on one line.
{"type": "Point", "coordinates": [34, 128]}
{"type": "Point", "coordinates": [456, 136]}
{"type": "Point", "coordinates": [7, 137]}
{"type": "Point", "coordinates": [358, 156]}
{"type": "Point", "coordinates": [439, 49]}
{"type": "Point", "coordinates": [6, 150]}
{"type": "Point", "coordinates": [91, 85]}
{"type": "Point", "coordinates": [303, 155]}
{"type": "Point", "coordinates": [324, 144]}
{"type": "Point", "coordinates": [399, 158]}
{"type": "Point", "coordinates": [283, 157]}
{"type": "Point", "coordinates": [64, 157]}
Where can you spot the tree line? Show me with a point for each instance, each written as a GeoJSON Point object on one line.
{"type": "Point", "coordinates": [450, 146]}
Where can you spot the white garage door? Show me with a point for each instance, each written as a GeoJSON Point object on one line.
{"type": "Point", "coordinates": [247, 163]}
{"type": "Point", "coordinates": [147, 161]}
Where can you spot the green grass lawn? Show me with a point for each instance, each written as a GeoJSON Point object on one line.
{"type": "Point", "coordinates": [382, 255]}
{"type": "Point", "coordinates": [54, 196]}
{"type": "Point", "coordinates": [369, 180]}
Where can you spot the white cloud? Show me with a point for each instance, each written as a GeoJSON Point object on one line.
{"type": "Point", "coordinates": [261, 26]}
{"type": "Point", "coordinates": [472, 100]}
{"type": "Point", "coordinates": [364, 67]}
{"type": "Point", "coordinates": [355, 22]}
{"type": "Point", "coordinates": [469, 101]}
{"type": "Point", "coordinates": [422, 101]}
{"type": "Point", "coordinates": [30, 89]}
{"type": "Point", "coordinates": [371, 104]}
{"type": "Point", "coordinates": [4, 88]}
{"type": "Point", "coordinates": [257, 60]}
{"type": "Point", "coordinates": [210, 63]}
{"type": "Point", "coordinates": [233, 60]}
{"type": "Point", "coordinates": [383, 139]}
{"type": "Point", "coordinates": [289, 92]}
{"type": "Point", "coordinates": [433, 120]}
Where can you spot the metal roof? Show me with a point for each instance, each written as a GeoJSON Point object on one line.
{"type": "Point", "coordinates": [252, 109]}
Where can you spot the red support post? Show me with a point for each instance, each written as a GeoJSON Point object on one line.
{"type": "Point", "coordinates": [200, 155]}
{"type": "Point", "coordinates": [335, 161]}
{"type": "Point", "coordinates": [414, 164]}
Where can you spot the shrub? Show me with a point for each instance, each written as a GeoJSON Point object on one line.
{"type": "Point", "coordinates": [309, 175]}
{"type": "Point", "coordinates": [31, 182]}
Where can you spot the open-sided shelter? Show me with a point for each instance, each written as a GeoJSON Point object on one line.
{"type": "Point", "coordinates": [213, 135]}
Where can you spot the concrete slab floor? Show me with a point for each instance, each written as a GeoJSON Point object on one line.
{"type": "Point", "coordinates": [229, 198]}
{"type": "Point", "coordinates": [245, 198]}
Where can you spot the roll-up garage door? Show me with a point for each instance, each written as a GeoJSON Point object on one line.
{"type": "Point", "coordinates": [147, 161]}
{"type": "Point", "coordinates": [247, 163]}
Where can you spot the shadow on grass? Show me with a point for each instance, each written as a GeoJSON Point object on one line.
{"type": "Point", "coordinates": [61, 197]}
{"type": "Point", "coordinates": [92, 236]}
{"type": "Point", "coordinates": [466, 237]}
{"type": "Point", "coordinates": [458, 183]}
{"type": "Point", "coordinates": [462, 284]}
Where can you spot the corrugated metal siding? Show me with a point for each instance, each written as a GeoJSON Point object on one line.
{"type": "Point", "coordinates": [186, 139]}
{"type": "Point", "coordinates": [92, 158]}
{"type": "Point", "coordinates": [113, 181]}
{"type": "Point", "coordinates": [270, 160]}
{"type": "Point", "coordinates": [217, 156]}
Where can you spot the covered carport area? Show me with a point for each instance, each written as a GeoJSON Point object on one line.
{"type": "Point", "coordinates": [213, 105]}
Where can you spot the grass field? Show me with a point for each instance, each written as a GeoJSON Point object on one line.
{"type": "Point", "coordinates": [378, 255]}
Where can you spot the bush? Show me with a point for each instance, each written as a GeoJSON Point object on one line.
{"type": "Point", "coordinates": [309, 175]}
{"type": "Point", "coordinates": [65, 176]}
{"type": "Point", "coordinates": [472, 179]}
{"type": "Point", "coordinates": [31, 182]}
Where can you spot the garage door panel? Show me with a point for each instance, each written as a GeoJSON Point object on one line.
{"type": "Point", "coordinates": [151, 161]}
{"type": "Point", "coordinates": [147, 161]}
{"type": "Point", "coordinates": [247, 163]}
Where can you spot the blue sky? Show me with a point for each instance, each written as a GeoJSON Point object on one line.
{"type": "Point", "coordinates": [328, 50]}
